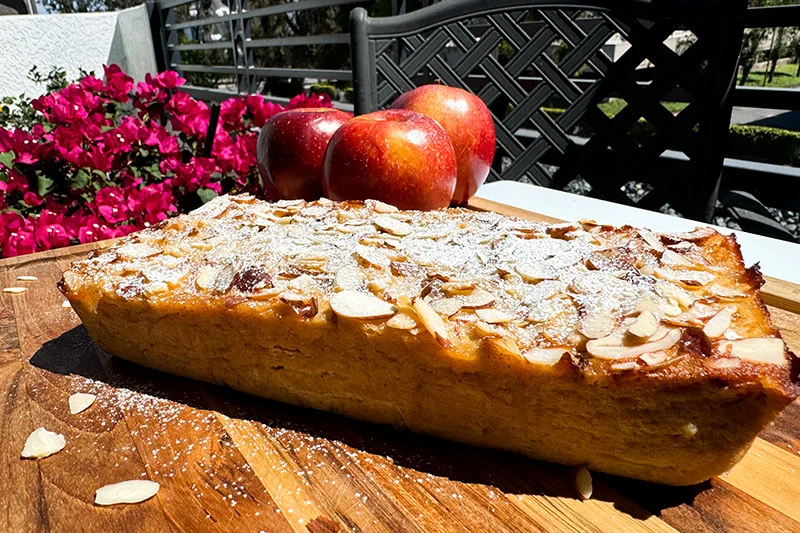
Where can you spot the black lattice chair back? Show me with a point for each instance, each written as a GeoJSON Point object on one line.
{"type": "Point", "coordinates": [543, 68]}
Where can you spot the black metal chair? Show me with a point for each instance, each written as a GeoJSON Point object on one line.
{"type": "Point", "coordinates": [524, 57]}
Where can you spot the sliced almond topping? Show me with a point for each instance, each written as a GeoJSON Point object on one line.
{"type": "Point", "coordinates": [349, 278]}
{"type": "Point", "coordinates": [15, 290]}
{"type": "Point", "coordinates": [670, 258]}
{"type": "Point", "coordinates": [651, 239]}
{"type": "Point", "coordinates": [458, 287]}
{"type": "Point", "coordinates": [646, 270]}
{"type": "Point", "coordinates": [725, 362]}
{"type": "Point", "coordinates": [669, 309]}
{"type": "Point", "coordinates": [673, 292]}
{"type": "Point", "coordinates": [372, 241]}
{"type": "Point", "coordinates": [504, 345]}
{"type": "Point", "coordinates": [360, 305]}
{"type": "Point", "coordinates": [494, 316]}
{"type": "Point", "coordinates": [372, 257]}
{"type": "Point", "coordinates": [380, 207]}
{"type": "Point", "coordinates": [346, 228]}
{"type": "Point", "coordinates": [648, 305]}
{"type": "Point", "coordinates": [696, 315]}
{"type": "Point", "coordinates": [302, 304]}
{"type": "Point", "coordinates": [43, 443]}
{"type": "Point", "coordinates": [447, 306]}
{"type": "Point", "coordinates": [261, 295]}
{"type": "Point", "coordinates": [156, 287]}
{"type": "Point", "coordinates": [206, 277]}
{"type": "Point", "coordinates": [535, 272]}
{"type": "Point", "coordinates": [393, 226]}
{"type": "Point", "coordinates": [65, 304]}
{"type": "Point", "coordinates": [137, 251]}
{"type": "Point", "coordinates": [624, 367]}
{"type": "Point", "coordinates": [583, 483]}
{"type": "Point", "coordinates": [726, 293]}
{"type": "Point", "coordinates": [597, 324]}
{"type": "Point", "coordinates": [731, 335]}
{"type": "Point", "coordinates": [559, 231]}
{"type": "Point", "coordinates": [27, 278]}
{"type": "Point", "coordinates": [544, 356]}
{"type": "Point", "coordinates": [402, 320]}
{"type": "Point", "coordinates": [687, 277]}
{"type": "Point", "coordinates": [377, 287]}
{"type": "Point", "coordinates": [477, 299]}
{"type": "Point", "coordinates": [133, 491]}
{"type": "Point", "coordinates": [433, 322]}
{"type": "Point", "coordinates": [697, 234]}
{"type": "Point", "coordinates": [719, 323]}
{"type": "Point", "coordinates": [611, 347]}
{"type": "Point", "coordinates": [485, 330]}
{"type": "Point", "coordinates": [768, 350]}
{"type": "Point", "coordinates": [311, 260]}
{"type": "Point", "coordinates": [653, 358]}
{"type": "Point", "coordinates": [404, 302]}
{"type": "Point", "coordinates": [645, 325]}
{"type": "Point", "coordinates": [80, 401]}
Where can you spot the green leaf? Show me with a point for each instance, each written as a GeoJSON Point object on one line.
{"type": "Point", "coordinates": [80, 179]}
{"type": "Point", "coordinates": [7, 158]}
{"type": "Point", "coordinates": [45, 184]}
{"type": "Point", "coordinates": [206, 195]}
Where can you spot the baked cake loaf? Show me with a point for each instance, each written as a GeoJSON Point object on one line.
{"type": "Point", "coordinates": [643, 355]}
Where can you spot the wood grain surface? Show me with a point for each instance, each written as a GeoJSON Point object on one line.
{"type": "Point", "coordinates": [230, 462]}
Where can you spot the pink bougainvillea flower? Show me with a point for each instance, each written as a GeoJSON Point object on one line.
{"type": "Point", "coordinates": [17, 182]}
{"type": "Point", "coordinates": [97, 158]}
{"type": "Point", "coordinates": [118, 84]}
{"type": "Point", "coordinates": [17, 235]}
{"type": "Point", "coordinates": [194, 174]}
{"type": "Point", "coordinates": [142, 165]}
{"type": "Point", "coordinates": [32, 199]}
{"type": "Point", "coordinates": [169, 80]}
{"type": "Point", "coordinates": [260, 110]}
{"type": "Point", "coordinates": [312, 100]}
{"type": "Point", "coordinates": [156, 135]}
{"type": "Point", "coordinates": [231, 112]}
{"type": "Point", "coordinates": [90, 83]}
{"type": "Point", "coordinates": [110, 204]}
{"type": "Point", "coordinates": [50, 232]}
{"type": "Point", "coordinates": [188, 116]}
{"type": "Point", "coordinates": [93, 229]}
{"type": "Point", "coordinates": [156, 202]}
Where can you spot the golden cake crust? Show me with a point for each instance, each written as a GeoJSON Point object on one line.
{"type": "Point", "coordinates": [580, 343]}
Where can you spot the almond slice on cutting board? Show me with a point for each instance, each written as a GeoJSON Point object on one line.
{"type": "Point", "coordinates": [43, 443]}
{"type": "Point", "coordinates": [80, 401]}
{"type": "Point", "coordinates": [133, 491]}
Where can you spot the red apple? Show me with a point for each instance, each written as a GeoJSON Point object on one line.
{"type": "Point", "coordinates": [291, 147]}
{"type": "Point", "coordinates": [395, 156]}
{"type": "Point", "coordinates": [468, 123]}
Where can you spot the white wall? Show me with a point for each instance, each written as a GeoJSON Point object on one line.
{"type": "Point", "coordinates": [84, 40]}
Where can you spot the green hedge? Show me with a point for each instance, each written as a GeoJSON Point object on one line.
{"type": "Point", "coordinates": [752, 143]}
{"type": "Point", "coordinates": [323, 88]}
{"type": "Point", "coordinates": [768, 145]}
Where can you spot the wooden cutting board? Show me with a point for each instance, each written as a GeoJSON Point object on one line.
{"type": "Point", "coordinates": [231, 462]}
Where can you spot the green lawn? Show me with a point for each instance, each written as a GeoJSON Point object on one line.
{"type": "Point", "coordinates": [785, 76]}
{"type": "Point", "coordinates": [615, 105]}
